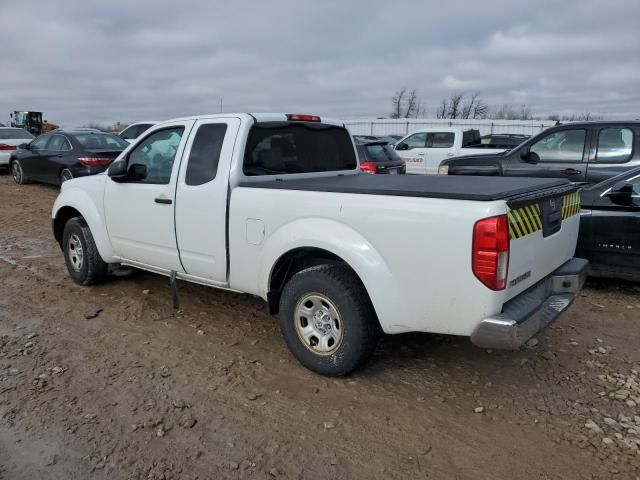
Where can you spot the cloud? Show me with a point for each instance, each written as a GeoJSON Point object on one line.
{"type": "Point", "coordinates": [83, 62]}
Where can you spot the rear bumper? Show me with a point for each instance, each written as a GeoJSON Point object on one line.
{"type": "Point", "coordinates": [534, 309]}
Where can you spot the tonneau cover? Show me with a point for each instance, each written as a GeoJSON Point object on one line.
{"type": "Point", "coordinates": [431, 186]}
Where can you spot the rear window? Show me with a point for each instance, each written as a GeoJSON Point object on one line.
{"type": "Point", "coordinates": [15, 133]}
{"type": "Point", "coordinates": [275, 148]}
{"type": "Point", "coordinates": [381, 153]}
{"type": "Point", "coordinates": [100, 141]}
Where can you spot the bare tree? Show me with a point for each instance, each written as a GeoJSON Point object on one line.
{"type": "Point", "coordinates": [396, 103]}
{"type": "Point", "coordinates": [411, 105]}
{"type": "Point", "coordinates": [462, 105]}
{"type": "Point", "coordinates": [406, 104]}
{"type": "Point", "coordinates": [507, 111]}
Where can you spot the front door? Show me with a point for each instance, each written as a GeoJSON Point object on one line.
{"type": "Point", "coordinates": [201, 198]}
{"type": "Point", "coordinates": [140, 211]}
{"type": "Point", "coordinates": [560, 154]}
{"type": "Point", "coordinates": [609, 234]}
{"type": "Point", "coordinates": [414, 152]}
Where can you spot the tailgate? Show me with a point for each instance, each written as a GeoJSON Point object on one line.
{"type": "Point", "coordinates": [543, 230]}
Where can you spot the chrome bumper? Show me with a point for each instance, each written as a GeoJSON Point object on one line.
{"type": "Point", "coordinates": [533, 310]}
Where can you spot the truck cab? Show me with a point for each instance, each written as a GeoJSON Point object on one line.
{"type": "Point", "coordinates": [425, 149]}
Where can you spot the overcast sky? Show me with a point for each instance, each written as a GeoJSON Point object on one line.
{"type": "Point", "coordinates": [82, 61]}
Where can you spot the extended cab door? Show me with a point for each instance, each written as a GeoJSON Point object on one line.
{"type": "Point", "coordinates": [440, 146]}
{"type": "Point", "coordinates": [201, 198]}
{"type": "Point", "coordinates": [560, 154]}
{"type": "Point", "coordinates": [612, 152]}
{"type": "Point", "coordinates": [139, 211]}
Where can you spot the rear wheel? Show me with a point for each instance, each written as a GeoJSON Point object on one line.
{"type": "Point", "coordinates": [81, 256]}
{"type": "Point", "coordinates": [18, 173]}
{"type": "Point", "coordinates": [327, 320]}
{"type": "Point", "coordinates": [65, 175]}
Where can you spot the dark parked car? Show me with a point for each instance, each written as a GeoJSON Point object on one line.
{"type": "Point", "coordinates": [64, 154]}
{"type": "Point", "coordinates": [610, 226]}
{"type": "Point", "coordinates": [581, 152]}
{"type": "Point", "coordinates": [379, 157]}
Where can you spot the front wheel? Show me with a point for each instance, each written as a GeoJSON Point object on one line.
{"type": "Point", "coordinates": [18, 173]}
{"type": "Point", "coordinates": [81, 256]}
{"type": "Point", "coordinates": [327, 320]}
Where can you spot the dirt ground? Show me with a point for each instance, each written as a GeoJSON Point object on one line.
{"type": "Point", "coordinates": [107, 382]}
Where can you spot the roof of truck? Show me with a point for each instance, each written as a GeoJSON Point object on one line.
{"type": "Point", "coordinates": [258, 117]}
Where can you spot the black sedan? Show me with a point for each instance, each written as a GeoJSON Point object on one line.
{"type": "Point", "coordinates": [64, 154]}
{"type": "Point", "coordinates": [379, 157]}
{"type": "Point", "coordinates": [610, 227]}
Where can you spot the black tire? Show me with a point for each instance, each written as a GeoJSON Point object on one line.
{"type": "Point", "coordinates": [357, 320]}
{"type": "Point", "coordinates": [18, 173]}
{"type": "Point", "coordinates": [65, 175]}
{"type": "Point", "coordinates": [91, 269]}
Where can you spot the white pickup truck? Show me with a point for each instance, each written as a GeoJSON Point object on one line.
{"type": "Point", "coordinates": [274, 205]}
{"type": "Point", "coordinates": [423, 150]}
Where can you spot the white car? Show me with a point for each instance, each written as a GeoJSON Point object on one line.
{"type": "Point", "coordinates": [423, 150]}
{"type": "Point", "coordinates": [274, 205]}
{"type": "Point", "coordinates": [134, 130]}
{"type": "Point", "coordinates": [10, 138]}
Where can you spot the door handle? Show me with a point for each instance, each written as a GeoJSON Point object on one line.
{"type": "Point", "coordinates": [571, 171]}
{"type": "Point", "coordinates": [421, 154]}
{"type": "Point", "coordinates": [164, 201]}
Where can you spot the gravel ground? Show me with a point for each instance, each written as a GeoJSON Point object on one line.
{"type": "Point", "coordinates": [109, 382]}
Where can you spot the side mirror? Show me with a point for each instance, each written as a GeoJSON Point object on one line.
{"type": "Point", "coordinates": [137, 172]}
{"type": "Point", "coordinates": [24, 146]}
{"type": "Point", "coordinates": [530, 157]}
{"type": "Point", "coordinates": [118, 171]}
{"type": "Point", "coordinates": [402, 146]}
{"type": "Point", "coordinates": [621, 193]}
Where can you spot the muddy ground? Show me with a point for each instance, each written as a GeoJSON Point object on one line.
{"type": "Point", "coordinates": [107, 382]}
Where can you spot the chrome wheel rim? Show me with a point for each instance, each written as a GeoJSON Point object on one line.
{"type": "Point", "coordinates": [75, 253]}
{"type": "Point", "coordinates": [16, 171]}
{"type": "Point", "coordinates": [65, 175]}
{"type": "Point", "coordinates": [318, 324]}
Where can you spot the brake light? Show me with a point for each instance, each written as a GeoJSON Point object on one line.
{"type": "Point", "coordinates": [5, 147]}
{"type": "Point", "coordinates": [95, 161]}
{"type": "Point", "coordinates": [300, 117]}
{"type": "Point", "coordinates": [368, 167]}
{"type": "Point", "coordinates": [490, 251]}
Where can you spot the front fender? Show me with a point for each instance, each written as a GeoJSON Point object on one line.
{"type": "Point", "coordinates": [342, 241]}
{"type": "Point", "coordinates": [80, 200]}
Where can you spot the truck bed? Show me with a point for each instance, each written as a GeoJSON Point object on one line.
{"type": "Point", "coordinates": [428, 186]}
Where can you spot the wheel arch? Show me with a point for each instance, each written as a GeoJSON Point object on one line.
{"type": "Point", "coordinates": [299, 246]}
{"type": "Point", "coordinates": [77, 203]}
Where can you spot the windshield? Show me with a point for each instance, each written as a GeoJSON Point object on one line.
{"type": "Point", "coordinates": [100, 141]}
{"type": "Point", "coordinates": [286, 148]}
{"type": "Point", "coordinates": [14, 134]}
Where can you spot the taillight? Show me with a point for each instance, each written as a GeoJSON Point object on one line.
{"type": "Point", "coordinates": [95, 161]}
{"type": "Point", "coordinates": [490, 251]}
{"type": "Point", "coordinates": [5, 147]}
{"type": "Point", "coordinates": [368, 167]}
{"type": "Point", "coordinates": [300, 117]}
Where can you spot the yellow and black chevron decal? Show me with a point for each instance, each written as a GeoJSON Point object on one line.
{"type": "Point", "coordinates": [570, 205]}
{"type": "Point", "coordinates": [524, 220]}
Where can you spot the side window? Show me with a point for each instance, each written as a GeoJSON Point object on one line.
{"type": "Point", "coordinates": [562, 146]}
{"type": "Point", "coordinates": [58, 143]}
{"type": "Point", "coordinates": [205, 154]}
{"type": "Point", "coordinates": [614, 145]}
{"type": "Point", "coordinates": [131, 132]}
{"type": "Point", "coordinates": [440, 139]}
{"type": "Point", "coordinates": [40, 142]}
{"type": "Point", "coordinates": [152, 160]}
{"type": "Point", "coordinates": [417, 140]}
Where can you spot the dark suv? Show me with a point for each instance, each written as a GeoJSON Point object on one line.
{"type": "Point", "coordinates": [581, 152]}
